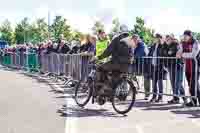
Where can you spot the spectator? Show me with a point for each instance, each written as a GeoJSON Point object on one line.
{"type": "Point", "coordinates": [157, 69]}
{"type": "Point", "coordinates": [63, 48]}
{"type": "Point", "coordinates": [88, 46]}
{"type": "Point", "coordinates": [141, 51]}
{"type": "Point", "coordinates": [22, 51]}
{"type": "Point", "coordinates": [40, 53]}
{"type": "Point", "coordinates": [102, 42]}
{"type": "Point", "coordinates": [189, 50]}
{"type": "Point", "coordinates": [175, 68]}
{"type": "Point", "coordinates": [75, 48]}
{"type": "Point", "coordinates": [49, 47]}
{"type": "Point", "coordinates": [1, 55]}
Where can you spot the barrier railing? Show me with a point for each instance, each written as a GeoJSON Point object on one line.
{"type": "Point", "coordinates": [28, 61]}
{"type": "Point", "coordinates": [74, 66]}
{"type": "Point", "coordinates": [169, 76]}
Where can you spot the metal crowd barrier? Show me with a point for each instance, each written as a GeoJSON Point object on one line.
{"type": "Point", "coordinates": [27, 61]}
{"type": "Point", "coordinates": [171, 73]}
{"type": "Point", "coordinates": [75, 66]}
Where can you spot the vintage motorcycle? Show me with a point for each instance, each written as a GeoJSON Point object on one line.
{"type": "Point", "coordinates": [122, 95]}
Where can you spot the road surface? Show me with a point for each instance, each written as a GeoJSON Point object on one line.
{"type": "Point", "coordinates": [28, 105]}
{"type": "Point", "coordinates": [144, 118]}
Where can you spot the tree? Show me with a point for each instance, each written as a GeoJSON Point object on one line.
{"type": "Point", "coordinates": [76, 35]}
{"type": "Point", "coordinates": [39, 31]}
{"type": "Point", "coordinates": [6, 32]}
{"type": "Point", "coordinates": [144, 32]}
{"type": "Point", "coordinates": [115, 28]}
{"type": "Point", "coordinates": [22, 30]}
{"type": "Point", "coordinates": [116, 25]}
{"type": "Point", "coordinates": [196, 35]}
{"type": "Point", "coordinates": [97, 26]}
{"type": "Point", "coordinates": [60, 27]}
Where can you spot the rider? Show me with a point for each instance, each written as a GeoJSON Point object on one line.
{"type": "Point", "coordinates": [102, 42]}
{"type": "Point", "coordinates": [120, 50]}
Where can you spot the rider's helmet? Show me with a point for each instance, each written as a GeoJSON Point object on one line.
{"type": "Point", "coordinates": [123, 29]}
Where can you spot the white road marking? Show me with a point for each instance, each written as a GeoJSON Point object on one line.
{"type": "Point", "coordinates": [70, 123]}
{"type": "Point", "coordinates": [196, 122]}
{"type": "Point", "coordinates": [139, 129]}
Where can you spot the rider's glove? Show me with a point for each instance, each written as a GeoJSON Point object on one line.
{"type": "Point", "coordinates": [94, 59]}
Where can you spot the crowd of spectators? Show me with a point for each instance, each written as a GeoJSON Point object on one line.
{"type": "Point", "coordinates": [178, 54]}
{"type": "Point", "coordinates": [169, 56]}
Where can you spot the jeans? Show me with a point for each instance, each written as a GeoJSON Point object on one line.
{"type": "Point", "coordinates": [192, 81]}
{"type": "Point", "coordinates": [155, 88]}
{"type": "Point", "coordinates": [147, 84]}
{"type": "Point", "coordinates": [176, 78]}
{"type": "Point", "coordinates": [157, 83]}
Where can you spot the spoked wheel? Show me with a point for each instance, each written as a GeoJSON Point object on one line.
{"type": "Point", "coordinates": [135, 83]}
{"type": "Point", "coordinates": [54, 78]}
{"type": "Point", "coordinates": [83, 92]}
{"type": "Point", "coordinates": [62, 80]}
{"type": "Point", "coordinates": [70, 83]}
{"type": "Point", "coordinates": [124, 96]}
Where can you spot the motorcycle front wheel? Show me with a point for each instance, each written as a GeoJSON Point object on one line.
{"type": "Point", "coordinates": [83, 92]}
{"type": "Point", "coordinates": [123, 97]}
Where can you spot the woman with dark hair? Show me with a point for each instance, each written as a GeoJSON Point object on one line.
{"type": "Point", "coordinates": [189, 50]}
{"type": "Point", "coordinates": [157, 68]}
{"type": "Point", "coordinates": [175, 69]}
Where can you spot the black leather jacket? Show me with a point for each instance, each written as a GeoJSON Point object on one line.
{"type": "Point", "coordinates": [119, 49]}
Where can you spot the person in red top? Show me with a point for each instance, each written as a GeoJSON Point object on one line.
{"type": "Point", "coordinates": [189, 51]}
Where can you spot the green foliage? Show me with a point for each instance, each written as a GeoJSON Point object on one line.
{"type": "Point", "coordinates": [115, 28]}
{"type": "Point", "coordinates": [38, 31]}
{"type": "Point", "coordinates": [97, 26]}
{"type": "Point", "coordinates": [22, 31]}
{"type": "Point", "coordinates": [144, 32]}
{"type": "Point", "coordinates": [6, 32]}
{"type": "Point", "coordinates": [116, 25]}
{"type": "Point", "coordinates": [196, 35]}
{"type": "Point", "coordinates": [76, 35]}
{"type": "Point", "coordinates": [60, 27]}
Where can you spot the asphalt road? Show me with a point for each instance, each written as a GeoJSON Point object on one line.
{"type": "Point", "coordinates": [144, 118]}
{"type": "Point", "coordinates": [28, 105]}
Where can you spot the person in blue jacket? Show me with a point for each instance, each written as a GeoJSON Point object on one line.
{"type": "Point", "coordinates": [141, 51]}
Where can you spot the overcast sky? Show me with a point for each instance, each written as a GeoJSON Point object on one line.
{"type": "Point", "coordinates": [164, 16]}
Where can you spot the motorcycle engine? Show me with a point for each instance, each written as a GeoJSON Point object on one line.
{"type": "Point", "coordinates": [101, 100]}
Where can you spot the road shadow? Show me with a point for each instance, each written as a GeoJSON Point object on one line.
{"type": "Point", "coordinates": [10, 69]}
{"type": "Point", "coordinates": [69, 91]}
{"type": "Point", "coordinates": [31, 75]}
{"type": "Point", "coordinates": [63, 97]}
{"type": "Point", "coordinates": [163, 108]}
{"type": "Point", "coordinates": [143, 104]}
{"type": "Point", "coordinates": [77, 112]}
{"type": "Point", "coordinates": [147, 106]}
{"type": "Point", "coordinates": [190, 112]}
